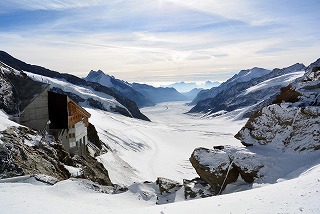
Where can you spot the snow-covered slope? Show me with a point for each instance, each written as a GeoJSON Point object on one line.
{"type": "Point", "coordinates": [298, 195]}
{"type": "Point", "coordinates": [248, 96]}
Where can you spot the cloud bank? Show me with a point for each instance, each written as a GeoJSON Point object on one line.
{"type": "Point", "coordinates": [161, 40]}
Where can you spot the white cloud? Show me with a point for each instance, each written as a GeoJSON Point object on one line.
{"type": "Point", "coordinates": [164, 39]}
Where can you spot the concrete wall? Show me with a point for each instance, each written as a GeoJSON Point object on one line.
{"type": "Point", "coordinates": [75, 145]}
{"type": "Point", "coordinates": [36, 114]}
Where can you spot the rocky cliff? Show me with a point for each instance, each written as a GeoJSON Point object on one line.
{"type": "Point", "coordinates": [26, 152]}
{"type": "Point", "coordinates": [292, 122]}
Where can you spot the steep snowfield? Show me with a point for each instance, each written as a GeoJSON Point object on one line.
{"type": "Point", "coordinates": [5, 122]}
{"type": "Point", "coordinates": [160, 148]}
{"type": "Point", "coordinates": [282, 80]}
{"type": "Point", "coordinates": [249, 74]}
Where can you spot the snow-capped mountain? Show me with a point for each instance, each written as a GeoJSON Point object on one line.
{"type": "Point", "coordinates": [120, 85]}
{"type": "Point", "coordinates": [88, 93]}
{"type": "Point", "coordinates": [145, 95]}
{"type": "Point", "coordinates": [242, 76]}
{"type": "Point", "coordinates": [250, 95]}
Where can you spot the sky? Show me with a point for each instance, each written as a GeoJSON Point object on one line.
{"type": "Point", "coordinates": [159, 41]}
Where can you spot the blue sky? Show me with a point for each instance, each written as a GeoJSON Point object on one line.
{"type": "Point", "coordinates": [161, 40]}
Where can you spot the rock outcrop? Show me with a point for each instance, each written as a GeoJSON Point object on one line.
{"type": "Point", "coordinates": [220, 167]}
{"type": "Point", "coordinates": [24, 151]}
{"type": "Point", "coordinates": [7, 98]}
{"type": "Point", "coordinates": [293, 121]}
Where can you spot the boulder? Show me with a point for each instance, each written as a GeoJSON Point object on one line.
{"type": "Point", "coordinates": [219, 167]}
{"type": "Point", "coordinates": [214, 167]}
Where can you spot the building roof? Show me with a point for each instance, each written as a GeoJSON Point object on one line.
{"type": "Point", "coordinates": [26, 90]}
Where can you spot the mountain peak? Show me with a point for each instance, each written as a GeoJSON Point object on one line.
{"type": "Point", "coordinates": [248, 74]}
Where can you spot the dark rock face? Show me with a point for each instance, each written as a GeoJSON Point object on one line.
{"type": "Point", "coordinates": [93, 170]}
{"type": "Point", "coordinates": [121, 86]}
{"type": "Point", "coordinates": [167, 186]}
{"type": "Point", "coordinates": [7, 98]}
{"type": "Point", "coordinates": [93, 136]}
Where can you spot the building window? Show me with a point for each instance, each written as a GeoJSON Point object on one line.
{"type": "Point", "coordinates": [72, 135]}
{"type": "Point", "coordinates": [72, 144]}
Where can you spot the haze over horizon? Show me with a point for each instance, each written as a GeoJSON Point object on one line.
{"type": "Point", "coordinates": [161, 40]}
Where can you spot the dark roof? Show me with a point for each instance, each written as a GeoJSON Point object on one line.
{"type": "Point", "coordinates": [26, 90]}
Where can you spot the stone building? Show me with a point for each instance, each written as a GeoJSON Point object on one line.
{"type": "Point", "coordinates": [41, 109]}
{"type": "Point", "coordinates": [68, 122]}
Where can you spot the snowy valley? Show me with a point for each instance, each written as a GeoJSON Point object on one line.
{"type": "Point", "coordinates": [151, 158]}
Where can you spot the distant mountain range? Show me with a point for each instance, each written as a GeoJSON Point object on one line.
{"type": "Point", "coordinates": [142, 94]}
{"type": "Point", "coordinates": [184, 87]}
